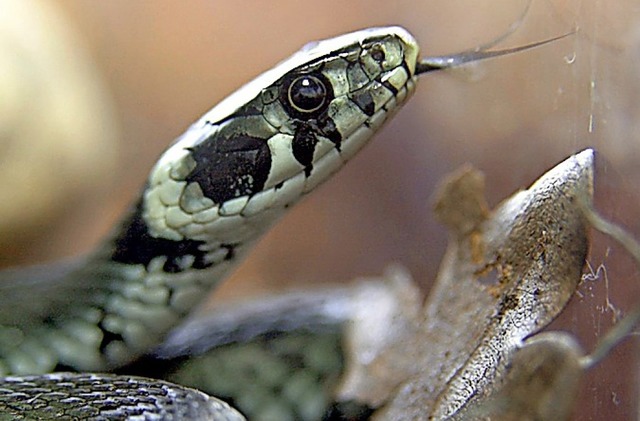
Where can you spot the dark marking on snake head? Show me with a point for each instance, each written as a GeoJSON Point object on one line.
{"type": "Point", "coordinates": [230, 165]}
{"type": "Point", "coordinates": [303, 146]}
{"type": "Point", "coordinates": [364, 100]}
{"type": "Point", "coordinates": [356, 76]}
{"type": "Point", "coordinates": [137, 246]}
{"type": "Point", "coordinates": [328, 129]}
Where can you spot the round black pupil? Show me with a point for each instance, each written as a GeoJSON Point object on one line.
{"type": "Point", "coordinates": [307, 93]}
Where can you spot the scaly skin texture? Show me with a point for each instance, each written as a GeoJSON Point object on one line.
{"type": "Point", "coordinates": [210, 195]}
{"type": "Point", "coordinates": [208, 198]}
{"type": "Point", "coordinates": [68, 396]}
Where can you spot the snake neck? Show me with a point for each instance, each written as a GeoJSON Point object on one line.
{"type": "Point", "coordinates": [106, 310]}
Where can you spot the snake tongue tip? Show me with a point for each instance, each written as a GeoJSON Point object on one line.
{"type": "Point", "coordinates": [428, 64]}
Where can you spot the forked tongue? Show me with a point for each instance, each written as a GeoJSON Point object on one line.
{"type": "Point", "coordinates": [429, 64]}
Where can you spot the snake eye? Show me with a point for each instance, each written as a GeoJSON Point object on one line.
{"type": "Point", "coordinates": [307, 93]}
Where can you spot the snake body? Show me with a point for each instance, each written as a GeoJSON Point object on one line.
{"type": "Point", "coordinates": [211, 194]}
{"type": "Point", "coordinates": [70, 396]}
{"type": "Point", "coordinates": [223, 183]}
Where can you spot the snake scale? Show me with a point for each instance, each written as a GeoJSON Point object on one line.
{"type": "Point", "coordinates": [211, 194]}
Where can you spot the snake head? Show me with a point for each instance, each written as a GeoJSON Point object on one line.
{"type": "Point", "coordinates": [275, 139]}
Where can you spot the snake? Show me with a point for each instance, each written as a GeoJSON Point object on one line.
{"type": "Point", "coordinates": [207, 199]}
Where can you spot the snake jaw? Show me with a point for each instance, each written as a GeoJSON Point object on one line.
{"type": "Point", "coordinates": [253, 153]}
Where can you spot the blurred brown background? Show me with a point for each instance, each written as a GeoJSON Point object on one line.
{"type": "Point", "coordinates": [163, 63]}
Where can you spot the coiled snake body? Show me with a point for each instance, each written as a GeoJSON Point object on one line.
{"type": "Point", "coordinates": [209, 196]}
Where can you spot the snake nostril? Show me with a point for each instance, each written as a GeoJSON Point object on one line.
{"type": "Point", "coordinates": [377, 53]}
